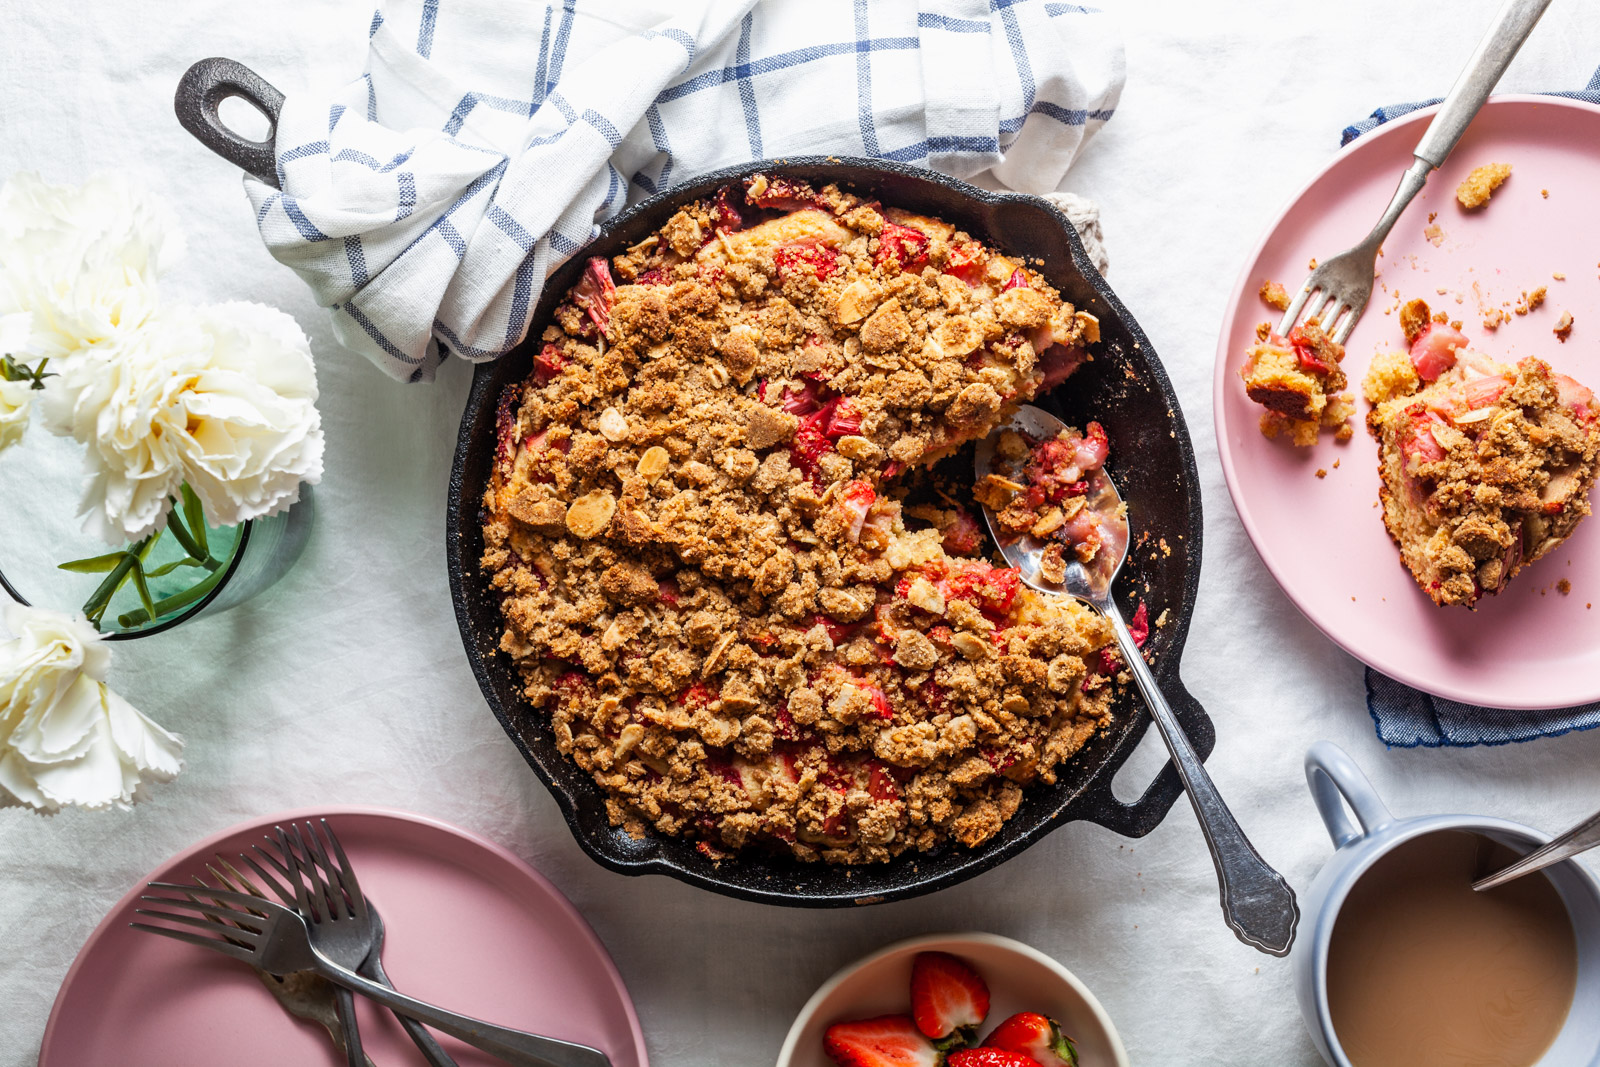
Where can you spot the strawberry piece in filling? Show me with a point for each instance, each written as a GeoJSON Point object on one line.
{"type": "Point", "coordinates": [548, 363]}
{"type": "Point", "coordinates": [855, 500]}
{"type": "Point", "coordinates": [903, 246]}
{"type": "Point", "coordinates": [967, 262]}
{"type": "Point", "coordinates": [1057, 363]}
{"type": "Point", "coordinates": [806, 255]}
{"type": "Point", "coordinates": [595, 292]}
{"type": "Point", "coordinates": [1434, 350]}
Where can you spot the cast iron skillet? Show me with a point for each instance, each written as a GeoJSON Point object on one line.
{"type": "Point", "coordinates": [1124, 388]}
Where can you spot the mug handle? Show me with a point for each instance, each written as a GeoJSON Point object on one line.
{"type": "Point", "coordinates": [1333, 776]}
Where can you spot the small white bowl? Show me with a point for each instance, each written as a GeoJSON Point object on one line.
{"type": "Point", "coordinates": [1019, 978]}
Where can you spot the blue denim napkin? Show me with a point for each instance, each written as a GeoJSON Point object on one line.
{"type": "Point", "coordinates": [1407, 717]}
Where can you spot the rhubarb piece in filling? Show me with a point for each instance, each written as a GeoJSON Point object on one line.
{"type": "Point", "coordinates": [1299, 381]}
{"type": "Point", "coordinates": [711, 590]}
{"type": "Point", "coordinates": [1485, 467]}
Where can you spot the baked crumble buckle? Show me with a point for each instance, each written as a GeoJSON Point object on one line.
{"type": "Point", "coordinates": [709, 582]}
{"type": "Point", "coordinates": [1485, 467]}
{"type": "Point", "coordinates": [1299, 381]}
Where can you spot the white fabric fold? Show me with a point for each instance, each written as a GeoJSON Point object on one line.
{"type": "Point", "coordinates": [486, 141]}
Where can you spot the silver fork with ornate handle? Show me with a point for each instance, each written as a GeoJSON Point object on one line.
{"type": "Point", "coordinates": [277, 940]}
{"type": "Point", "coordinates": [1345, 281]}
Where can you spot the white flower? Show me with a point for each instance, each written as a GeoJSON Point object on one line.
{"type": "Point", "coordinates": [16, 398]}
{"type": "Point", "coordinates": [222, 397]}
{"type": "Point", "coordinates": [254, 433]}
{"type": "Point", "coordinates": [65, 737]}
{"type": "Point", "coordinates": [82, 260]}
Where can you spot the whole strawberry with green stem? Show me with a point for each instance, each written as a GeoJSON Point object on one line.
{"type": "Point", "coordinates": [1035, 1036]}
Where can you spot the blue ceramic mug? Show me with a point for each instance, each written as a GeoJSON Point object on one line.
{"type": "Point", "coordinates": [1334, 777]}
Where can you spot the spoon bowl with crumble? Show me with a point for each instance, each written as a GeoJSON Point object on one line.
{"type": "Point", "coordinates": [1058, 518]}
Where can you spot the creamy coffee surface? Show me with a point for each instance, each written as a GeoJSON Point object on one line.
{"type": "Point", "coordinates": [1423, 971]}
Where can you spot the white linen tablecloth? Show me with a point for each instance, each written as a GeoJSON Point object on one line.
{"type": "Point", "coordinates": [1228, 110]}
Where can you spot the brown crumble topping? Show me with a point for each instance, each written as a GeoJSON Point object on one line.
{"type": "Point", "coordinates": [715, 584]}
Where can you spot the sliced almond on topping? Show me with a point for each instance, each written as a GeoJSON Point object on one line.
{"type": "Point", "coordinates": [1088, 326]}
{"type": "Point", "coordinates": [970, 646]}
{"type": "Point", "coordinates": [631, 735]}
{"type": "Point", "coordinates": [852, 446]}
{"type": "Point", "coordinates": [1475, 415]}
{"type": "Point", "coordinates": [855, 302]}
{"type": "Point", "coordinates": [959, 335]}
{"type": "Point", "coordinates": [653, 464]}
{"type": "Point", "coordinates": [591, 513]}
{"type": "Point", "coordinates": [925, 595]}
{"type": "Point", "coordinates": [613, 425]}
{"type": "Point", "coordinates": [717, 653]}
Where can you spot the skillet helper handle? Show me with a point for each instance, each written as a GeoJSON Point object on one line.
{"type": "Point", "coordinates": [1494, 53]}
{"type": "Point", "coordinates": [1257, 902]}
{"type": "Point", "coordinates": [201, 91]}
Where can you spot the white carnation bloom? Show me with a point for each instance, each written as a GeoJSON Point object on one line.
{"type": "Point", "coordinates": [16, 399]}
{"type": "Point", "coordinates": [222, 396]}
{"type": "Point", "coordinates": [254, 432]}
{"type": "Point", "coordinates": [65, 737]}
{"type": "Point", "coordinates": [82, 260]}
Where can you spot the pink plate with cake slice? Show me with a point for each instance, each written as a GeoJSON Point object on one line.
{"type": "Point", "coordinates": [1536, 644]}
{"type": "Point", "coordinates": [469, 927]}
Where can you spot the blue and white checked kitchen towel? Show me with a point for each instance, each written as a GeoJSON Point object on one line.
{"type": "Point", "coordinates": [1407, 717]}
{"type": "Point", "coordinates": [488, 138]}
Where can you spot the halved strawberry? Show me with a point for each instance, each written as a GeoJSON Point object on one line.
{"type": "Point", "coordinates": [1018, 280]}
{"type": "Point", "coordinates": [948, 998]}
{"type": "Point", "coordinates": [990, 1057]}
{"type": "Point", "coordinates": [1434, 350]}
{"type": "Point", "coordinates": [1035, 1036]}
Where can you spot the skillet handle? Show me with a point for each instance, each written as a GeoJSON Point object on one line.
{"type": "Point", "coordinates": [1100, 805]}
{"type": "Point", "coordinates": [203, 87]}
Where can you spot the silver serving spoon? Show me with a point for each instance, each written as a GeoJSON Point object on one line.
{"type": "Point", "coordinates": [1581, 838]}
{"type": "Point", "coordinates": [1256, 901]}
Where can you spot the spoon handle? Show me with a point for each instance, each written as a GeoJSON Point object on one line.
{"type": "Point", "coordinates": [1580, 838]}
{"type": "Point", "coordinates": [1256, 901]}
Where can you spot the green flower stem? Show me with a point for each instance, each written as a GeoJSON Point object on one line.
{"type": "Point", "coordinates": [138, 617]}
{"type": "Point", "coordinates": [190, 544]}
{"type": "Point", "coordinates": [94, 608]}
